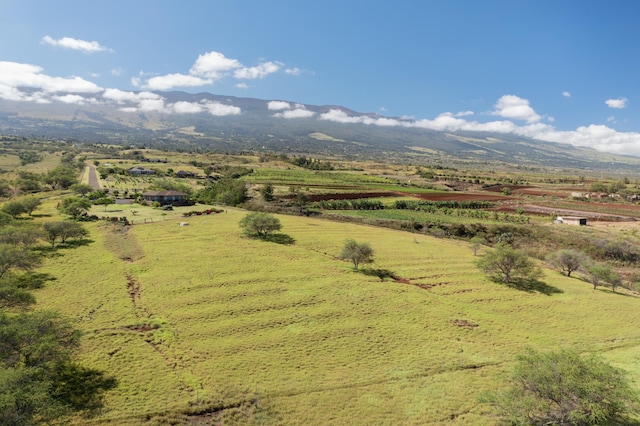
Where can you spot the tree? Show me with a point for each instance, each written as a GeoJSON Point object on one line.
{"type": "Point", "coordinates": [602, 272]}
{"type": "Point", "coordinates": [564, 388]}
{"type": "Point", "coordinates": [81, 189]}
{"type": "Point", "coordinates": [267, 192]}
{"type": "Point", "coordinates": [567, 261]}
{"type": "Point", "coordinates": [61, 177]}
{"type": "Point", "coordinates": [75, 206]}
{"type": "Point", "coordinates": [14, 208]}
{"type": "Point", "coordinates": [64, 230]}
{"type": "Point", "coordinates": [12, 257]}
{"type": "Point", "coordinates": [30, 204]}
{"type": "Point", "coordinates": [104, 201]}
{"type": "Point", "coordinates": [356, 252]}
{"type": "Point", "coordinates": [507, 264]}
{"type": "Point", "coordinates": [476, 243]}
{"type": "Point", "coordinates": [260, 224]}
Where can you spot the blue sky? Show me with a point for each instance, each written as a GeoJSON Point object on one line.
{"type": "Point", "coordinates": [562, 71]}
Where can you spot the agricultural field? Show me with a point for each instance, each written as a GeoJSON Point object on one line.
{"type": "Point", "coordinates": [199, 322]}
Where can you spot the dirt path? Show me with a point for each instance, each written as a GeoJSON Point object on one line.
{"type": "Point", "coordinates": [93, 178]}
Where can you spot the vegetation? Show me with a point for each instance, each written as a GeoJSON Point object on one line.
{"type": "Point", "coordinates": [356, 253]}
{"type": "Point", "coordinates": [566, 261]}
{"type": "Point", "coordinates": [75, 206]}
{"type": "Point", "coordinates": [508, 265]}
{"type": "Point", "coordinates": [564, 388]}
{"type": "Point", "coordinates": [260, 224]}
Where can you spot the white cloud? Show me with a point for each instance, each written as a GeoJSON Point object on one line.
{"type": "Point", "coordinates": [76, 44]}
{"type": "Point", "coordinates": [187, 107]}
{"type": "Point", "coordinates": [611, 119]}
{"type": "Point", "coordinates": [169, 81]}
{"type": "Point", "coordinates": [618, 103]}
{"type": "Point", "coordinates": [566, 94]}
{"type": "Point", "coordinates": [243, 86]}
{"type": "Point", "coordinates": [117, 71]}
{"type": "Point", "coordinates": [71, 99]}
{"type": "Point", "coordinates": [464, 113]}
{"type": "Point", "coordinates": [20, 76]}
{"type": "Point", "coordinates": [218, 109]}
{"type": "Point", "coordinates": [511, 106]}
{"type": "Point", "coordinates": [123, 96]}
{"type": "Point", "coordinates": [259, 71]}
{"type": "Point", "coordinates": [278, 105]}
{"type": "Point", "coordinates": [295, 113]}
{"type": "Point", "coordinates": [293, 71]}
{"type": "Point", "coordinates": [213, 65]}
{"type": "Point", "coordinates": [149, 105]}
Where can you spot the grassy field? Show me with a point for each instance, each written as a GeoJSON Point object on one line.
{"type": "Point", "coordinates": [197, 318]}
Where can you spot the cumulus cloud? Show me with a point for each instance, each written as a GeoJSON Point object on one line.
{"type": "Point", "coordinates": [213, 65]}
{"type": "Point", "coordinates": [76, 44]}
{"type": "Point", "coordinates": [19, 76]}
{"type": "Point", "coordinates": [74, 99]}
{"type": "Point", "coordinates": [278, 105]}
{"type": "Point", "coordinates": [618, 103]}
{"type": "Point", "coordinates": [566, 94]}
{"type": "Point", "coordinates": [207, 69]}
{"type": "Point", "coordinates": [511, 106]}
{"type": "Point", "coordinates": [293, 71]}
{"type": "Point", "coordinates": [299, 112]}
{"type": "Point", "coordinates": [219, 109]}
{"type": "Point", "coordinates": [187, 107]}
{"type": "Point", "coordinates": [124, 96]}
{"type": "Point", "coordinates": [169, 81]}
{"type": "Point", "coordinates": [259, 71]}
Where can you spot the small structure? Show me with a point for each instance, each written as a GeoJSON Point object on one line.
{"type": "Point", "coordinates": [185, 174]}
{"type": "Point", "coordinates": [141, 171]}
{"type": "Point", "coordinates": [572, 220]}
{"type": "Point", "coordinates": [173, 198]}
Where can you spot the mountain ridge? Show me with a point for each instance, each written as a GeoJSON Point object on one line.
{"type": "Point", "coordinates": [249, 124]}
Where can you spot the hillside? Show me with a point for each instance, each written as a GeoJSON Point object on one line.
{"type": "Point", "coordinates": [225, 333]}
{"type": "Point", "coordinates": [252, 126]}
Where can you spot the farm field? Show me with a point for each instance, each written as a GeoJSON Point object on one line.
{"type": "Point", "coordinates": [199, 321]}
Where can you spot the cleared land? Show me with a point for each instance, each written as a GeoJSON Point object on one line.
{"type": "Point", "coordinates": [199, 318]}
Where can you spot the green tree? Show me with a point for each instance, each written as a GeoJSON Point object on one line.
{"type": "Point", "coordinates": [260, 224]}
{"type": "Point", "coordinates": [14, 208]}
{"type": "Point", "coordinates": [566, 261]}
{"type": "Point", "coordinates": [564, 388]}
{"type": "Point", "coordinates": [81, 189]}
{"type": "Point", "coordinates": [476, 243]}
{"type": "Point", "coordinates": [507, 264]}
{"type": "Point", "coordinates": [13, 257]}
{"type": "Point", "coordinates": [30, 204]}
{"type": "Point", "coordinates": [356, 252]}
{"type": "Point", "coordinates": [61, 177]}
{"type": "Point", "coordinates": [267, 192]}
{"type": "Point", "coordinates": [104, 201]}
{"type": "Point", "coordinates": [75, 206]}
{"type": "Point", "coordinates": [225, 191]}
{"type": "Point", "coordinates": [63, 230]}
{"type": "Point", "coordinates": [599, 273]}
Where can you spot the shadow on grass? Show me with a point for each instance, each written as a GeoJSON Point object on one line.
{"type": "Point", "coordinates": [382, 274]}
{"type": "Point", "coordinates": [532, 286]}
{"type": "Point", "coordinates": [277, 238]}
{"type": "Point", "coordinates": [40, 215]}
{"type": "Point", "coordinates": [74, 243]}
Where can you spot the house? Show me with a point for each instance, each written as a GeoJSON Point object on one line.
{"type": "Point", "coordinates": [173, 198]}
{"type": "Point", "coordinates": [141, 171]}
{"type": "Point", "coordinates": [571, 220]}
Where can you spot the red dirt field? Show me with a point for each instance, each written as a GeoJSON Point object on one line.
{"type": "Point", "coordinates": [453, 196]}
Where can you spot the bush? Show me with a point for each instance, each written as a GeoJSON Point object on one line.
{"type": "Point", "coordinates": [260, 224]}
{"type": "Point", "coordinates": [563, 388]}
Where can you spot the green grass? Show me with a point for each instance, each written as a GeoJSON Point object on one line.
{"type": "Point", "coordinates": [316, 342]}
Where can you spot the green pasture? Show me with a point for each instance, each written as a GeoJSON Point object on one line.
{"type": "Point", "coordinates": [197, 317]}
{"type": "Point", "coordinates": [417, 216]}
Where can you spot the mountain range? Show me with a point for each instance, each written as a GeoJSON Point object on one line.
{"type": "Point", "coordinates": [187, 121]}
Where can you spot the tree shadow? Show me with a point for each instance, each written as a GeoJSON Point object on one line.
{"type": "Point", "coordinates": [279, 239]}
{"type": "Point", "coordinates": [532, 285]}
{"type": "Point", "coordinates": [71, 244]}
{"type": "Point", "coordinates": [382, 274]}
{"type": "Point", "coordinates": [40, 215]}
{"type": "Point", "coordinates": [82, 388]}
